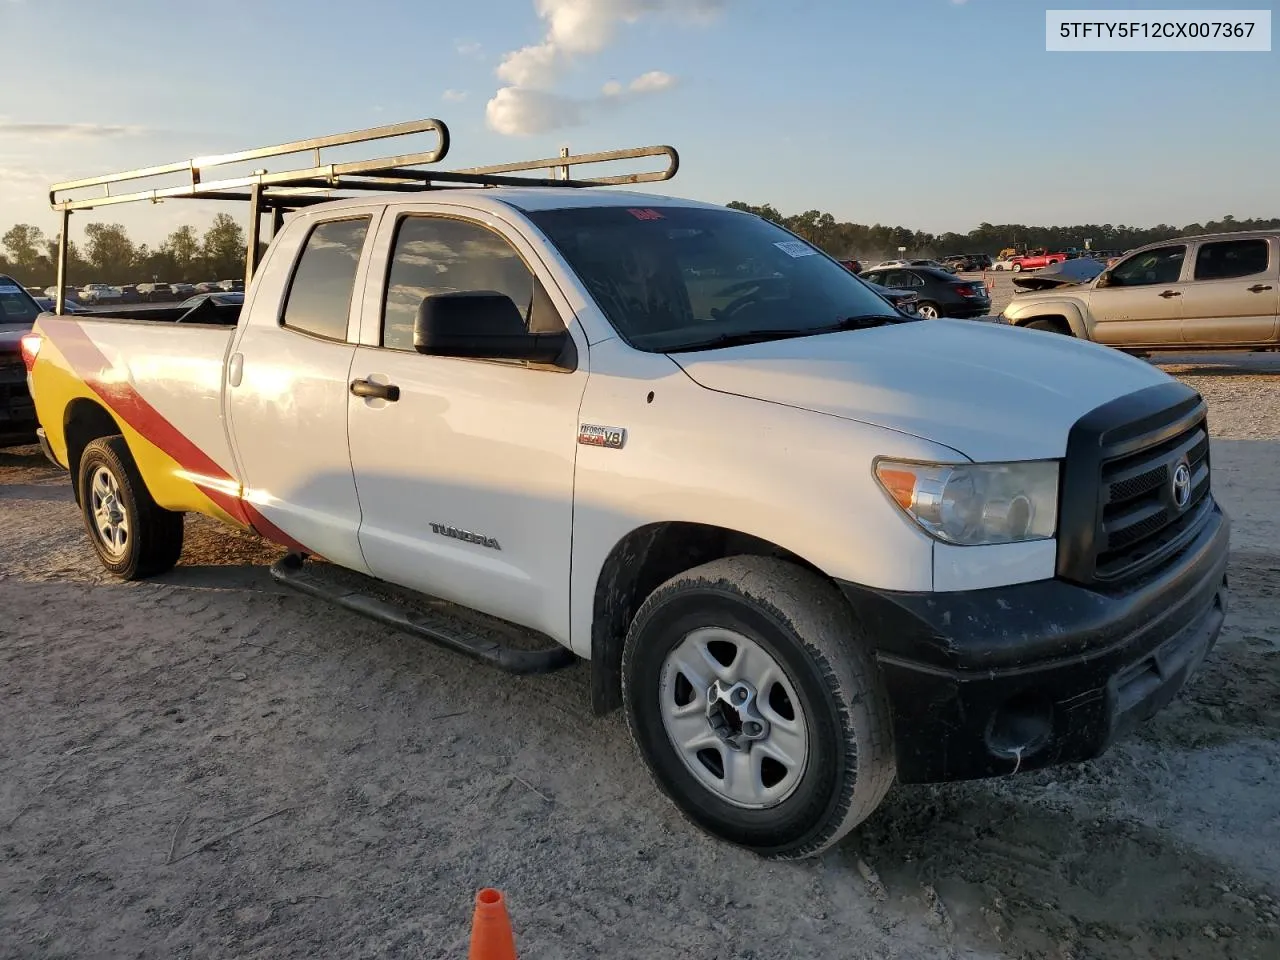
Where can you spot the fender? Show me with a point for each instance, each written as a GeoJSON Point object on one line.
{"type": "Point", "coordinates": [1068, 308]}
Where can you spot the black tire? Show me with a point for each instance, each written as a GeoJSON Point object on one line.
{"type": "Point", "coordinates": [1050, 326]}
{"type": "Point", "coordinates": [153, 541]}
{"type": "Point", "coordinates": [806, 626]}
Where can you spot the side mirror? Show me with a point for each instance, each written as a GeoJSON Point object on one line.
{"type": "Point", "coordinates": [481, 325]}
{"type": "Point", "coordinates": [1104, 279]}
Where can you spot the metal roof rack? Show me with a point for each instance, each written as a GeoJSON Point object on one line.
{"type": "Point", "coordinates": [280, 191]}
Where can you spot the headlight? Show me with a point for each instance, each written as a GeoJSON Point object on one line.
{"type": "Point", "coordinates": [976, 503]}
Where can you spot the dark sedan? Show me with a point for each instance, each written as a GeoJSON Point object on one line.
{"type": "Point", "coordinates": [940, 294]}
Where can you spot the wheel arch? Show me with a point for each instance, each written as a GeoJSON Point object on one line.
{"type": "Point", "coordinates": [639, 563]}
{"type": "Point", "coordinates": [1063, 313]}
{"type": "Point", "coordinates": [83, 422]}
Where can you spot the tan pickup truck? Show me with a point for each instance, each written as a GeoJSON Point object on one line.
{"type": "Point", "coordinates": [1220, 291]}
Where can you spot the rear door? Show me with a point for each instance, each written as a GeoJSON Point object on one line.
{"type": "Point", "coordinates": [1142, 302]}
{"type": "Point", "coordinates": [287, 387]}
{"type": "Point", "coordinates": [466, 478]}
{"type": "Point", "coordinates": [1234, 293]}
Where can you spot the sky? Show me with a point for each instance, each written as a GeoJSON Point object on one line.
{"type": "Point", "coordinates": [931, 114]}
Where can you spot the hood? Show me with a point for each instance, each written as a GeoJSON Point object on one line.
{"type": "Point", "coordinates": [1066, 273]}
{"type": "Point", "coordinates": [988, 391]}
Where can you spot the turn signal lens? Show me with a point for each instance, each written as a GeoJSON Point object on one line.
{"type": "Point", "coordinates": [899, 484]}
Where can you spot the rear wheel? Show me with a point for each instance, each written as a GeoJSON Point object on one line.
{"type": "Point", "coordinates": [929, 310]}
{"type": "Point", "coordinates": [132, 535]}
{"type": "Point", "coordinates": [756, 706]}
{"type": "Point", "coordinates": [1017, 268]}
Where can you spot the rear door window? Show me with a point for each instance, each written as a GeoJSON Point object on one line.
{"type": "Point", "coordinates": [1228, 259]}
{"type": "Point", "coordinates": [319, 298]}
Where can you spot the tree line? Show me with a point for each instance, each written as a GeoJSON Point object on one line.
{"type": "Point", "coordinates": [862, 242]}
{"type": "Point", "coordinates": [108, 255]}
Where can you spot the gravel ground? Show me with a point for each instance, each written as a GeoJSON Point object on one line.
{"type": "Point", "coordinates": [206, 766]}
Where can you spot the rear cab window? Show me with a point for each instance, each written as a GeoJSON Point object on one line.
{"type": "Point", "coordinates": [319, 299]}
{"type": "Point", "coordinates": [1228, 259]}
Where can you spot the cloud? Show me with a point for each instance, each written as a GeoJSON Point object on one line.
{"type": "Point", "coordinates": [537, 66]}
{"type": "Point", "coordinates": [454, 96]}
{"type": "Point", "coordinates": [652, 82]}
{"type": "Point", "coordinates": [576, 29]}
{"type": "Point", "coordinates": [521, 112]}
{"type": "Point", "coordinates": [467, 48]}
{"type": "Point", "coordinates": [65, 131]}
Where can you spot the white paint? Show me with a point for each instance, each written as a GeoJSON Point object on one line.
{"type": "Point", "coordinates": [992, 565]}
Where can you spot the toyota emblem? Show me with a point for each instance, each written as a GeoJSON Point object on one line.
{"type": "Point", "coordinates": [1181, 484]}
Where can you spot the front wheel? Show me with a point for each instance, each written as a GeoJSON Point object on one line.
{"type": "Point", "coordinates": [757, 707]}
{"type": "Point", "coordinates": [133, 536]}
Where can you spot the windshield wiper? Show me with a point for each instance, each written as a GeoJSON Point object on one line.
{"type": "Point", "coordinates": [861, 322]}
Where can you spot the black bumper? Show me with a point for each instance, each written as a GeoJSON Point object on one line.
{"type": "Point", "coordinates": [988, 681]}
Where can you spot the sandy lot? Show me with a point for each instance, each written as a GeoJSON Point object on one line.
{"type": "Point", "coordinates": [207, 766]}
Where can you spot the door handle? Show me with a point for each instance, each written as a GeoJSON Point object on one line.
{"type": "Point", "coordinates": [375, 391]}
{"type": "Point", "coordinates": [1259, 287]}
{"type": "Point", "coordinates": [1170, 293]}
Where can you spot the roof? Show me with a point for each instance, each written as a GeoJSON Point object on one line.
{"type": "Point", "coordinates": [525, 199]}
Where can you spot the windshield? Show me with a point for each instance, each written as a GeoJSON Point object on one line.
{"type": "Point", "coordinates": [16, 305]}
{"type": "Point", "coordinates": [673, 278]}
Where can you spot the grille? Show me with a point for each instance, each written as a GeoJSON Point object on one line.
{"type": "Point", "coordinates": [1141, 517]}
{"type": "Point", "coordinates": [1121, 517]}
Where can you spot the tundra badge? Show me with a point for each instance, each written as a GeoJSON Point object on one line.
{"type": "Point", "coordinates": [593, 435]}
{"type": "Point", "coordinates": [446, 531]}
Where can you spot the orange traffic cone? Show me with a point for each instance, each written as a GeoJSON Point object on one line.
{"type": "Point", "coordinates": [491, 937]}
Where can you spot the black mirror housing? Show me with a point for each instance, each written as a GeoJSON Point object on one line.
{"type": "Point", "coordinates": [481, 325]}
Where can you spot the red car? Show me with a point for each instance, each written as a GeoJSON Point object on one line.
{"type": "Point", "coordinates": [1036, 260]}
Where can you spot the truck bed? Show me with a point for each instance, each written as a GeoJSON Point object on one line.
{"type": "Point", "coordinates": [208, 313]}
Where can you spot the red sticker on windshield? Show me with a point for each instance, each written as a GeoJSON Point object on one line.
{"type": "Point", "coordinates": [644, 214]}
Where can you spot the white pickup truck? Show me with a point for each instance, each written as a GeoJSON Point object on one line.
{"type": "Point", "coordinates": [809, 544]}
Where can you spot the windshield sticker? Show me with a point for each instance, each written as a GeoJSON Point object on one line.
{"type": "Point", "coordinates": [795, 248]}
{"type": "Point", "coordinates": [645, 214]}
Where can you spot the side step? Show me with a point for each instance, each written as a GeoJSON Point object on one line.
{"type": "Point", "coordinates": [468, 632]}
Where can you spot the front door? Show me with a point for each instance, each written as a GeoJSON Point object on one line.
{"type": "Point", "coordinates": [1141, 303]}
{"type": "Point", "coordinates": [287, 391]}
{"type": "Point", "coordinates": [466, 478]}
{"type": "Point", "coordinates": [1234, 293]}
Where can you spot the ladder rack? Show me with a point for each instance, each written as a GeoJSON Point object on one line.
{"type": "Point", "coordinates": [280, 191]}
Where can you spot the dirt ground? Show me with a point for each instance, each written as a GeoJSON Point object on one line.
{"type": "Point", "coordinates": [208, 766]}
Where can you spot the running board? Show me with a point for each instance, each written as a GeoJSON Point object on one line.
{"type": "Point", "coordinates": [448, 625]}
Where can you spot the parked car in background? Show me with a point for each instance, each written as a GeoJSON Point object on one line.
{"type": "Point", "coordinates": [100, 293]}
{"type": "Point", "coordinates": [967, 262]}
{"type": "Point", "coordinates": [69, 306]}
{"type": "Point", "coordinates": [1035, 260]}
{"type": "Point", "coordinates": [155, 292]}
{"type": "Point", "coordinates": [904, 300]}
{"type": "Point", "coordinates": [129, 293]}
{"type": "Point", "coordinates": [231, 285]}
{"type": "Point", "coordinates": [855, 266]}
{"type": "Point", "coordinates": [934, 264]}
{"type": "Point", "coordinates": [939, 293]}
{"type": "Point", "coordinates": [221, 299]}
{"type": "Point", "coordinates": [207, 286]}
{"type": "Point", "coordinates": [69, 291]}
{"type": "Point", "coordinates": [182, 290]}
{"type": "Point", "coordinates": [1220, 291]}
{"type": "Point", "coordinates": [18, 312]}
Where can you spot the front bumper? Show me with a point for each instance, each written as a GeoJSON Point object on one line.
{"type": "Point", "coordinates": [986, 682]}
